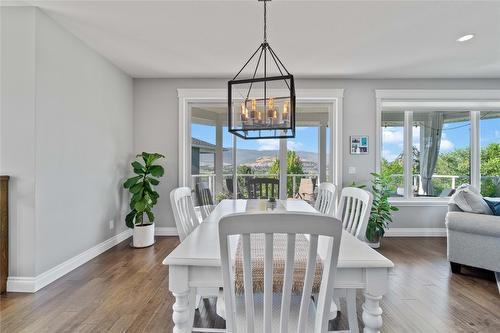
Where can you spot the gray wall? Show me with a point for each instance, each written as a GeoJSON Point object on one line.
{"type": "Point", "coordinates": [156, 128]}
{"type": "Point", "coordinates": [67, 137]}
{"type": "Point", "coordinates": [17, 132]}
{"type": "Point", "coordinates": [84, 140]}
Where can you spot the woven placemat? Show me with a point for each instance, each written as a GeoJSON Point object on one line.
{"type": "Point", "coordinates": [279, 258]}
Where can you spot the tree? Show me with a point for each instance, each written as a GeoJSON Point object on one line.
{"type": "Point", "coordinates": [242, 181]}
{"type": "Point", "coordinates": [455, 163]}
{"type": "Point", "coordinates": [490, 160]}
{"type": "Point", "coordinates": [490, 170]}
{"type": "Point", "coordinates": [244, 170]}
{"type": "Point", "coordinates": [293, 166]}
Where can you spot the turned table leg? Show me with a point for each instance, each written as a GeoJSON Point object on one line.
{"type": "Point", "coordinates": [376, 285]}
{"type": "Point", "coordinates": [372, 313]}
{"type": "Point", "coordinates": [183, 308]}
{"type": "Point", "coordinates": [181, 312]}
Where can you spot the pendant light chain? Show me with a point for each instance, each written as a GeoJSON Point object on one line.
{"type": "Point", "coordinates": [265, 21]}
{"type": "Point", "coordinates": [265, 51]}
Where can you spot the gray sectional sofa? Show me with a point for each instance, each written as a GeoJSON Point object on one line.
{"type": "Point", "coordinates": [473, 240]}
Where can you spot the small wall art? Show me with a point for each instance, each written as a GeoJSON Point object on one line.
{"type": "Point", "coordinates": [359, 144]}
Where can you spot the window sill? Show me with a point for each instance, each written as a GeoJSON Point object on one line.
{"type": "Point", "coordinates": [438, 202]}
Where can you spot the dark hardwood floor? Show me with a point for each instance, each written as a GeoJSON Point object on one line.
{"type": "Point", "coordinates": [126, 290]}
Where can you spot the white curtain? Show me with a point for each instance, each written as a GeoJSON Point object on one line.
{"type": "Point", "coordinates": [433, 128]}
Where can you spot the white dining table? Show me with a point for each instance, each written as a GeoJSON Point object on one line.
{"type": "Point", "coordinates": [195, 263]}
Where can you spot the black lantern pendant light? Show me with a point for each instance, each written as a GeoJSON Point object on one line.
{"type": "Point", "coordinates": [252, 112]}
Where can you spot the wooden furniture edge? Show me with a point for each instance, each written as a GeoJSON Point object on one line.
{"type": "Point", "coordinates": [4, 232]}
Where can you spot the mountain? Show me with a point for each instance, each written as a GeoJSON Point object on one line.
{"type": "Point", "coordinates": [259, 160]}
{"type": "Point", "coordinates": [250, 156]}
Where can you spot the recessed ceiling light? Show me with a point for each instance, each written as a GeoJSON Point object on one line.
{"type": "Point", "coordinates": [465, 38]}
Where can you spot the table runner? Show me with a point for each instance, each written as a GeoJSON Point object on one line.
{"type": "Point", "coordinates": [279, 258]}
{"type": "Point", "coordinates": [264, 206]}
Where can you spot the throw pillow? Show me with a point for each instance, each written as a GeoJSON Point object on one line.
{"type": "Point", "coordinates": [468, 199]}
{"type": "Point", "coordinates": [494, 206]}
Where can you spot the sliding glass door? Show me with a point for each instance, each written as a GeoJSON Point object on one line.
{"type": "Point", "coordinates": [260, 171]}
{"type": "Point", "coordinates": [308, 153]}
{"type": "Point", "coordinates": [231, 167]}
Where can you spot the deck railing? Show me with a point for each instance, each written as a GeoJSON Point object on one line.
{"type": "Point", "coordinates": [448, 181]}
{"type": "Point", "coordinates": [210, 179]}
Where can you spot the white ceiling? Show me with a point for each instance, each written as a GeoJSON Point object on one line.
{"type": "Point", "coordinates": [352, 39]}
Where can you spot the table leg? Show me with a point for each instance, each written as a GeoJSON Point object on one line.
{"type": "Point", "coordinates": [182, 312]}
{"type": "Point", "coordinates": [377, 281]}
{"type": "Point", "coordinates": [372, 313]}
{"type": "Point", "coordinates": [183, 308]}
{"type": "Point", "coordinates": [192, 304]}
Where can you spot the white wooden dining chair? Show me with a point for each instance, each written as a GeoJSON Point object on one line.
{"type": "Point", "coordinates": [184, 214]}
{"type": "Point", "coordinates": [325, 201]}
{"type": "Point", "coordinates": [205, 200]}
{"type": "Point", "coordinates": [290, 224]}
{"type": "Point", "coordinates": [186, 221]}
{"type": "Point", "coordinates": [354, 211]}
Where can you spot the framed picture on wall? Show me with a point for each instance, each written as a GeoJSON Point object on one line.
{"type": "Point", "coordinates": [359, 144]}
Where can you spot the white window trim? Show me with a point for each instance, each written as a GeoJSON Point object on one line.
{"type": "Point", "coordinates": [334, 97]}
{"type": "Point", "coordinates": [473, 101]}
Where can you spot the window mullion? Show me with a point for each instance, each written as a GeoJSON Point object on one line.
{"type": "Point", "coordinates": [408, 154]}
{"type": "Point", "coordinates": [475, 150]}
{"type": "Point", "coordinates": [283, 174]}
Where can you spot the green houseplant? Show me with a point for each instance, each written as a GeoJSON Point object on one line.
{"type": "Point", "coordinates": [381, 212]}
{"type": "Point", "coordinates": [144, 197]}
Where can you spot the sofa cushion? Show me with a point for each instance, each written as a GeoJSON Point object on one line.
{"type": "Point", "coordinates": [488, 225]}
{"type": "Point", "coordinates": [453, 207]}
{"type": "Point", "coordinates": [468, 199]}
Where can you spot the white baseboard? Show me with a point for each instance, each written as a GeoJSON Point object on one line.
{"type": "Point", "coordinates": [166, 231]}
{"type": "Point", "coordinates": [415, 232]}
{"type": "Point", "coordinates": [33, 284]}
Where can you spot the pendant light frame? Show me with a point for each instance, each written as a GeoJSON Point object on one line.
{"type": "Point", "coordinates": [263, 130]}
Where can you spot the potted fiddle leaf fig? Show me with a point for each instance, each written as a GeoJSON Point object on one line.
{"type": "Point", "coordinates": [144, 197]}
{"type": "Point", "coordinates": [381, 212]}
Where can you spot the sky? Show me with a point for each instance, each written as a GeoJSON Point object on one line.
{"type": "Point", "coordinates": [306, 139]}
{"type": "Point", "coordinates": [455, 136]}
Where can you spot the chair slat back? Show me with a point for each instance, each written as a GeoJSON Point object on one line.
{"type": "Point", "coordinates": [229, 186]}
{"type": "Point", "coordinates": [325, 202]}
{"type": "Point", "coordinates": [205, 200]}
{"type": "Point", "coordinates": [203, 194]}
{"type": "Point", "coordinates": [184, 213]}
{"type": "Point", "coordinates": [291, 224]}
{"type": "Point", "coordinates": [262, 188]}
{"type": "Point", "coordinates": [354, 210]}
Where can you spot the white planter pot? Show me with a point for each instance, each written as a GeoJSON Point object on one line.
{"type": "Point", "coordinates": [376, 242]}
{"type": "Point", "coordinates": [374, 245]}
{"type": "Point", "coordinates": [144, 236]}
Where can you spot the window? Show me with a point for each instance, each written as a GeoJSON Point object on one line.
{"type": "Point", "coordinates": [257, 168]}
{"type": "Point", "coordinates": [211, 151]}
{"type": "Point", "coordinates": [392, 162]}
{"type": "Point", "coordinates": [441, 152]}
{"type": "Point", "coordinates": [203, 154]}
{"type": "Point", "coordinates": [490, 153]}
{"type": "Point", "coordinates": [432, 141]}
{"type": "Point", "coordinates": [258, 161]}
{"type": "Point", "coordinates": [209, 155]}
